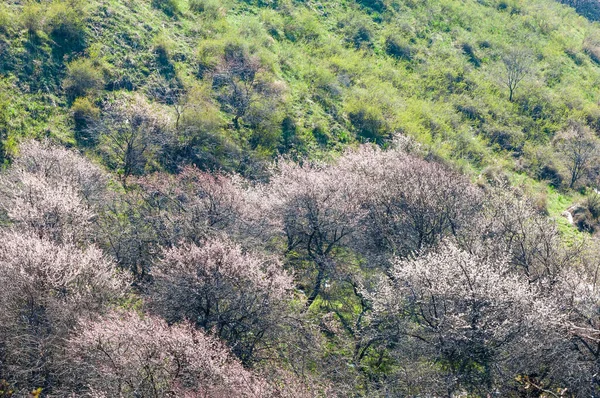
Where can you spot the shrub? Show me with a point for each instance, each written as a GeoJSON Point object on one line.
{"type": "Point", "coordinates": [5, 19]}
{"type": "Point", "coordinates": [471, 112]}
{"type": "Point", "coordinates": [591, 46]}
{"type": "Point", "coordinates": [592, 202]}
{"type": "Point", "coordinates": [84, 113]}
{"type": "Point", "coordinates": [398, 48]}
{"type": "Point", "coordinates": [357, 30]}
{"type": "Point", "coordinates": [163, 48]}
{"type": "Point", "coordinates": [33, 18]}
{"type": "Point", "coordinates": [273, 22]}
{"type": "Point", "coordinates": [361, 36]}
{"type": "Point", "coordinates": [574, 55]}
{"type": "Point", "coordinates": [494, 175]}
{"type": "Point", "coordinates": [375, 5]}
{"type": "Point", "coordinates": [302, 27]}
{"type": "Point", "coordinates": [169, 7]}
{"type": "Point", "coordinates": [208, 57]}
{"type": "Point", "coordinates": [210, 8]}
{"type": "Point", "coordinates": [369, 124]}
{"type": "Point", "coordinates": [505, 138]}
{"type": "Point", "coordinates": [83, 78]}
{"type": "Point", "coordinates": [550, 173]}
{"type": "Point", "coordinates": [583, 218]}
{"type": "Point", "coordinates": [470, 53]}
{"type": "Point", "coordinates": [67, 26]}
{"type": "Point", "coordinates": [320, 134]}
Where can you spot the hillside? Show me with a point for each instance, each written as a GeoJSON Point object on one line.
{"type": "Point", "coordinates": [315, 77]}
{"type": "Point", "coordinates": [279, 198]}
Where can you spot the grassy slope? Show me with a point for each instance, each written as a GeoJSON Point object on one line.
{"type": "Point", "coordinates": [340, 82]}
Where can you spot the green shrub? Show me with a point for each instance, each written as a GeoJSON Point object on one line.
{"type": "Point", "coordinates": [163, 48]}
{"type": "Point", "coordinates": [210, 8]}
{"type": "Point", "coordinates": [591, 46]}
{"type": "Point", "coordinates": [375, 5]}
{"type": "Point", "coordinates": [584, 219]}
{"type": "Point", "coordinates": [84, 114]}
{"type": "Point", "coordinates": [469, 51]}
{"type": "Point", "coordinates": [504, 137]}
{"type": "Point", "coordinates": [398, 48]}
{"type": "Point", "coordinates": [289, 135]}
{"type": "Point", "coordinates": [273, 23]}
{"type": "Point", "coordinates": [320, 134]}
{"type": "Point", "coordinates": [33, 18]}
{"type": "Point", "coordinates": [5, 19]}
{"type": "Point", "coordinates": [302, 27]}
{"type": "Point", "coordinates": [574, 55]}
{"type": "Point", "coordinates": [493, 175]}
{"type": "Point", "coordinates": [369, 124]}
{"type": "Point", "coordinates": [592, 202]}
{"type": "Point", "coordinates": [208, 57]}
{"type": "Point", "coordinates": [541, 163]}
{"type": "Point", "coordinates": [169, 7]}
{"type": "Point", "coordinates": [359, 33]}
{"type": "Point", "coordinates": [66, 23]}
{"type": "Point", "coordinates": [83, 78]}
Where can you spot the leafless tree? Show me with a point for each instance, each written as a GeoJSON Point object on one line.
{"type": "Point", "coordinates": [579, 148]}
{"type": "Point", "coordinates": [131, 132]}
{"type": "Point", "coordinates": [517, 63]}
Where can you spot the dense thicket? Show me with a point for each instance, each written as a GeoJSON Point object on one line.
{"type": "Point", "coordinates": [380, 273]}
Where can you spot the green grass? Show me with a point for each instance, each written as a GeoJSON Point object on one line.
{"type": "Point", "coordinates": [558, 203]}
{"type": "Point", "coordinates": [338, 79]}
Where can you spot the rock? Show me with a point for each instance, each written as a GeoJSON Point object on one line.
{"type": "Point", "coordinates": [567, 214]}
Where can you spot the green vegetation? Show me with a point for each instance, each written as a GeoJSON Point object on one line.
{"type": "Point", "coordinates": [478, 83]}
{"type": "Point", "coordinates": [502, 91]}
{"type": "Point", "coordinates": [305, 79]}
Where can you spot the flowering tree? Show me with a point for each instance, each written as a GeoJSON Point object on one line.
{"type": "Point", "coordinates": [510, 224]}
{"type": "Point", "coordinates": [471, 316]}
{"type": "Point", "coordinates": [411, 204]}
{"type": "Point", "coordinates": [163, 210]}
{"type": "Point", "coordinates": [318, 211]}
{"type": "Point", "coordinates": [190, 206]}
{"type": "Point", "coordinates": [579, 296]}
{"type": "Point", "coordinates": [125, 355]}
{"type": "Point", "coordinates": [240, 297]}
{"type": "Point", "coordinates": [52, 192]}
{"type": "Point", "coordinates": [45, 287]}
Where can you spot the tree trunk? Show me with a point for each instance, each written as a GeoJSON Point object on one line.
{"type": "Point", "coordinates": [318, 282]}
